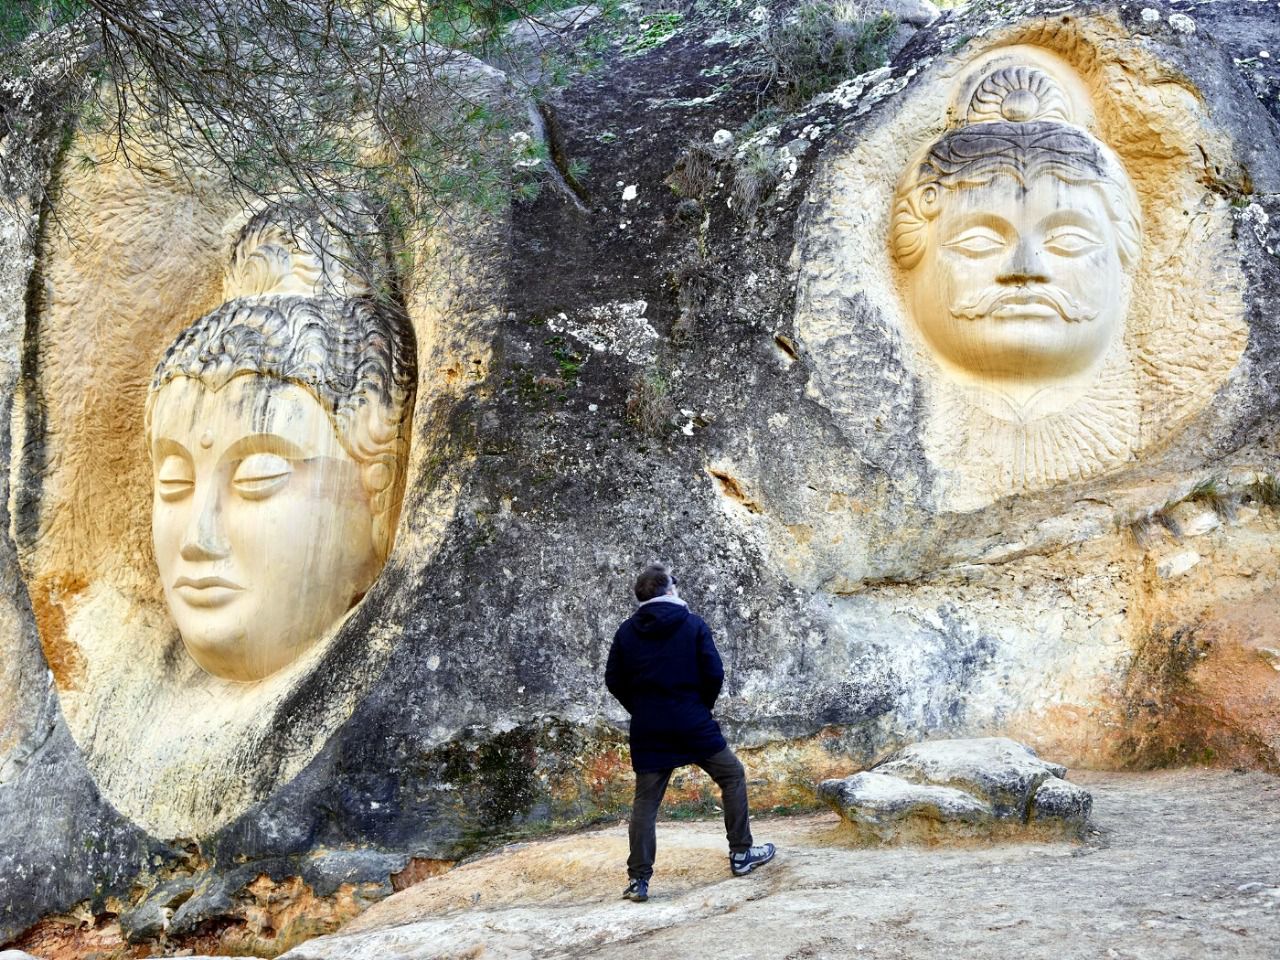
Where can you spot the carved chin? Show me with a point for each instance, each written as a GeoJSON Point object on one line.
{"type": "Point", "coordinates": [219, 643]}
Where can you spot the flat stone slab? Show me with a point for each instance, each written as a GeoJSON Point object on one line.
{"type": "Point", "coordinates": [963, 789]}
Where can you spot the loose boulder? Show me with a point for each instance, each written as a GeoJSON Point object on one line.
{"type": "Point", "coordinates": [949, 790]}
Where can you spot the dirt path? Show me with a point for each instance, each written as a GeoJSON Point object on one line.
{"type": "Point", "coordinates": [1184, 864]}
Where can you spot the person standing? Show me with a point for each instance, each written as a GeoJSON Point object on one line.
{"type": "Point", "coordinates": [664, 669]}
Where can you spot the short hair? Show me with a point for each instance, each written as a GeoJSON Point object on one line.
{"type": "Point", "coordinates": [654, 581]}
{"type": "Point", "coordinates": [975, 155]}
{"type": "Point", "coordinates": [357, 356]}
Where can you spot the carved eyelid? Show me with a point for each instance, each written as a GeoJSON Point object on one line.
{"type": "Point", "coordinates": [975, 232]}
{"type": "Point", "coordinates": [261, 466]}
{"type": "Point", "coordinates": [171, 462]}
{"type": "Point", "coordinates": [977, 240]}
{"type": "Point", "coordinates": [1074, 229]}
{"type": "Point", "coordinates": [264, 444]}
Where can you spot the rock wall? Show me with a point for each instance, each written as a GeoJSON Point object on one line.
{"type": "Point", "coordinates": [705, 358]}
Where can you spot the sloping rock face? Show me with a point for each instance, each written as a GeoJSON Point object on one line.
{"type": "Point", "coordinates": [982, 788]}
{"type": "Point", "coordinates": [825, 897]}
{"type": "Point", "coordinates": [713, 348]}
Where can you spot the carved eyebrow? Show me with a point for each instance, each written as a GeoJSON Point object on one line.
{"type": "Point", "coordinates": [981, 218]}
{"type": "Point", "coordinates": [266, 443]}
{"type": "Point", "coordinates": [163, 447]}
{"type": "Point", "coordinates": [1071, 217]}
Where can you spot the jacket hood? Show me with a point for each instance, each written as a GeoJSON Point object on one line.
{"type": "Point", "coordinates": [657, 621]}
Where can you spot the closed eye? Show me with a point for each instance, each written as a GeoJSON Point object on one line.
{"type": "Point", "coordinates": [1071, 241]}
{"type": "Point", "coordinates": [976, 242]}
{"type": "Point", "coordinates": [174, 479]}
{"type": "Point", "coordinates": [259, 475]}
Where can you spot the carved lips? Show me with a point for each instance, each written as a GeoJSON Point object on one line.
{"type": "Point", "coordinates": [206, 591]}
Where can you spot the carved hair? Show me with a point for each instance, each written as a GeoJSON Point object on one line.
{"type": "Point", "coordinates": [357, 357]}
{"type": "Point", "coordinates": [1015, 127]}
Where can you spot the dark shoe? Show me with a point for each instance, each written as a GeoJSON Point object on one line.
{"type": "Point", "coordinates": [638, 890]}
{"type": "Point", "coordinates": [746, 861]}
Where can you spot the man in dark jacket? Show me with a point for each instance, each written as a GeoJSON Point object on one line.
{"type": "Point", "coordinates": [664, 668]}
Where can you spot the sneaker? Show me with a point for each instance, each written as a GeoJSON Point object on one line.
{"type": "Point", "coordinates": [637, 890]}
{"type": "Point", "coordinates": [746, 861]}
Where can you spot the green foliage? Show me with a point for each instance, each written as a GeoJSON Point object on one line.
{"type": "Point", "coordinates": [655, 30]}
{"type": "Point", "coordinates": [821, 45]}
{"type": "Point", "coordinates": [570, 363]}
{"type": "Point", "coordinates": [19, 19]}
{"type": "Point", "coordinates": [351, 107]}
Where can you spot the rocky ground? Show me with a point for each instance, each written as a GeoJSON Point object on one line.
{"type": "Point", "coordinates": [1179, 864]}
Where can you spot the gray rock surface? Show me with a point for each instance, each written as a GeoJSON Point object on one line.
{"type": "Point", "coordinates": [880, 801]}
{"type": "Point", "coordinates": [492, 721]}
{"type": "Point", "coordinates": [1001, 771]}
{"type": "Point", "coordinates": [959, 789]}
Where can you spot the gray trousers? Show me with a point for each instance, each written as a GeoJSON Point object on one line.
{"type": "Point", "coordinates": [726, 770]}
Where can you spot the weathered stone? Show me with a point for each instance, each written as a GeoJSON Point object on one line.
{"type": "Point", "coordinates": [916, 13]}
{"type": "Point", "coordinates": [1211, 692]}
{"type": "Point", "coordinates": [1176, 564]}
{"type": "Point", "coordinates": [959, 789]}
{"type": "Point", "coordinates": [151, 918]}
{"type": "Point", "coordinates": [1194, 519]}
{"type": "Point", "coordinates": [1001, 771]}
{"type": "Point", "coordinates": [889, 808]}
{"type": "Point", "coordinates": [1062, 805]}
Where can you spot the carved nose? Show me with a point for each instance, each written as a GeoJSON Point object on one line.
{"type": "Point", "coordinates": [204, 539]}
{"type": "Point", "coordinates": [1024, 267]}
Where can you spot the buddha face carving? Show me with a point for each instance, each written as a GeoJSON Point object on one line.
{"type": "Point", "coordinates": [1016, 236]}
{"type": "Point", "coordinates": [278, 432]}
{"type": "Point", "coordinates": [261, 526]}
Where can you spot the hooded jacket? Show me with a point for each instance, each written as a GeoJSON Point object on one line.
{"type": "Point", "coordinates": [664, 668]}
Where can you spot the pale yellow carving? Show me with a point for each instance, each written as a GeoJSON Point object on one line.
{"type": "Point", "coordinates": [262, 531]}
{"type": "Point", "coordinates": [278, 432]}
{"type": "Point", "coordinates": [1017, 232]}
{"type": "Point", "coordinates": [1062, 283]}
{"type": "Point", "coordinates": [130, 255]}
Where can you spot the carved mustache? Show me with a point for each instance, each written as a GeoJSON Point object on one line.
{"type": "Point", "coordinates": [991, 299]}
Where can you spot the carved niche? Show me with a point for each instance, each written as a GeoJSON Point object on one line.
{"type": "Point", "coordinates": [203, 504]}
{"type": "Point", "coordinates": [1017, 234]}
{"type": "Point", "coordinates": [1022, 260]}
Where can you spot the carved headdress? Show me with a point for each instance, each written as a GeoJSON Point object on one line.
{"type": "Point", "coordinates": [1018, 124]}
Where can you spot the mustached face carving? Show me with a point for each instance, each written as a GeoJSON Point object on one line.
{"type": "Point", "coordinates": [1016, 232]}
{"type": "Point", "coordinates": [1020, 281]}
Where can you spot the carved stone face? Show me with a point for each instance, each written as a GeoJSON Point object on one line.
{"type": "Point", "coordinates": [1020, 283]}
{"type": "Point", "coordinates": [261, 527]}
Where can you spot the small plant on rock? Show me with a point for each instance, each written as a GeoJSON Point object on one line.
{"type": "Point", "coordinates": [753, 180]}
{"type": "Point", "coordinates": [694, 172]}
{"type": "Point", "coordinates": [1146, 531]}
{"type": "Point", "coordinates": [649, 407]}
{"type": "Point", "coordinates": [1211, 493]}
{"type": "Point", "coordinates": [819, 46]}
{"type": "Point", "coordinates": [1265, 491]}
